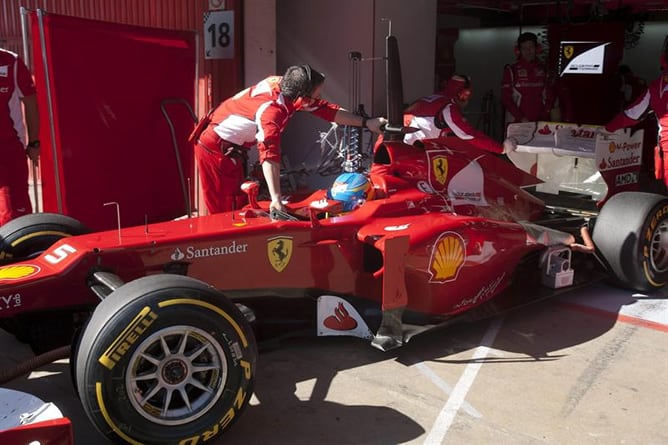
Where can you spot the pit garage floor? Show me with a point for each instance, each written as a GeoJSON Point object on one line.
{"type": "Point", "coordinates": [589, 367]}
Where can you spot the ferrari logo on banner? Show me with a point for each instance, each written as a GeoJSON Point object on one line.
{"type": "Point", "coordinates": [279, 252]}
{"type": "Point", "coordinates": [584, 57]}
{"type": "Point", "coordinates": [568, 51]}
{"type": "Point", "coordinates": [439, 165]}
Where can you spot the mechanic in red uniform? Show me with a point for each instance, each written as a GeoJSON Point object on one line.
{"type": "Point", "coordinates": [525, 89]}
{"type": "Point", "coordinates": [257, 116]}
{"type": "Point", "coordinates": [16, 88]}
{"type": "Point", "coordinates": [655, 97]}
{"type": "Point", "coordinates": [440, 115]}
{"type": "Point", "coordinates": [421, 113]}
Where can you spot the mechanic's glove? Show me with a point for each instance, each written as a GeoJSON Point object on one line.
{"type": "Point", "coordinates": [509, 145]}
{"type": "Point", "coordinates": [375, 124]}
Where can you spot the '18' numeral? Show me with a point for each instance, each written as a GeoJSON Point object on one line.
{"type": "Point", "coordinates": [220, 34]}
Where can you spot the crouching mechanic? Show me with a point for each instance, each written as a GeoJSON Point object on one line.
{"type": "Point", "coordinates": [257, 116]}
{"type": "Point", "coordinates": [440, 115]}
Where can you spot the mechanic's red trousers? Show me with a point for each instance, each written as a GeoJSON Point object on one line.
{"type": "Point", "coordinates": [661, 161]}
{"type": "Point", "coordinates": [14, 196]}
{"type": "Point", "coordinates": [221, 177]}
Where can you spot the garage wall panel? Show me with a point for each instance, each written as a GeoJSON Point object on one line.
{"type": "Point", "coordinates": [218, 78]}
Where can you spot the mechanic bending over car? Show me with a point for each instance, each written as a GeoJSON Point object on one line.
{"type": "Point", "coordinates": [655, 97]}
{"type": "Point", "coordinates": [16, 122]}
{"type": "Point", "coordinates": [257, 116]}
{"type": "Point", "coordinates": [440, 115]}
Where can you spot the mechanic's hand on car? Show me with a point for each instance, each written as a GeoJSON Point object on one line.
{"type": "Point", "coordinates": [509, 145]}
{"type": "Point", "coordinates": [375, 124]}
{"type": "Point", "coordinates": [278, 212]}
{"type": "Point", "coordinates": [276, 204]}
{"type": "Point", "coordinates": [604, 132]}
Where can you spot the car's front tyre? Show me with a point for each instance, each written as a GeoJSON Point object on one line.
{"type": "Point", "coordinates": [165, 359]}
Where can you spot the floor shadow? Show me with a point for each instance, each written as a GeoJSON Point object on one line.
{"type": "Point", "coordinates": [295, 378]}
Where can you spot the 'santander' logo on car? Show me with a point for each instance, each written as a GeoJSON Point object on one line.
{"type": "Point", "coordinates": [447, 257]}
{"type": "Point", "coordinates": [279, 252]}
{"type": "Point", "coordinates": [204, 252]}
{"type": "Point", "coordinates": [18, 271]}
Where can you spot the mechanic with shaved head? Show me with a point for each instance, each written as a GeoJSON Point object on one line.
{"type": "Point", "coordinates": [19, 119]}
{"type": "Point", "coordinates": [440, 115]}
{"type": "Point", "coordinates": [654, 98]}
{"type": "Point", "coordinates": [257, 116]}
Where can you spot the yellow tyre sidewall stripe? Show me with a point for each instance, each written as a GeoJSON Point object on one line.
{"type": "Point", "coordinates": [174, 302]}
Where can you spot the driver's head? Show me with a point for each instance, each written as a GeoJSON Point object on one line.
{"type": "Point", "coordinates": [527, 46]}
{"type": "Point", "coordinates": [459, 89]}
{"type": "Point", "coordinates": [352, 189]}
{"type": "Point", "coordinates": [301, 81]}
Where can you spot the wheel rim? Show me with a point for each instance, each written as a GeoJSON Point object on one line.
{"type": "Point", "coordinates": [659, 248]}
{"type": "Point", "coordinates": [176, 375]}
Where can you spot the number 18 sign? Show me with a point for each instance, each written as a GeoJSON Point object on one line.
{"type": "Point", "coordinates": [219, 35]}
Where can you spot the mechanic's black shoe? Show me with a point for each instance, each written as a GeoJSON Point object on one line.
{"type": "Point", "coordinates": [279, 215]}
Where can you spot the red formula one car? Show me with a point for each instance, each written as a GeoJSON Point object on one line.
{"type": "Point", "coordinates": [169, 352]}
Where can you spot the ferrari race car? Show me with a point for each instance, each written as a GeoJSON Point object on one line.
{"type": "Point", "coordinates": [168, 354]}
{"type": "Point", "coordinates": [170, 312]}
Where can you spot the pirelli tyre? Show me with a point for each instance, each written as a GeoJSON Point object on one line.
{"type": "Point", "coordinates": [29, 235]}
{"type": "Point", "coordinates": [165, 359]}
{"type": "Point", "coordinates": [631, 233]}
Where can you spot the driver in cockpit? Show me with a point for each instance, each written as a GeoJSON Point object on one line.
{"type": "Point", "coordinates": [352, 190]}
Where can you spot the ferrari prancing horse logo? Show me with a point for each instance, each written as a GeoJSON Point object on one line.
{"type": "Point", "coordinates": [568, 51]}
{"type": "Point", "coordinates": [279, 252]}
{"type": "Point", "coordinates": [440, 169]}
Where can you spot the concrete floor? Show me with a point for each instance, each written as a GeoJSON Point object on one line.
{"type": "Point", "coordinates": [589, 367]}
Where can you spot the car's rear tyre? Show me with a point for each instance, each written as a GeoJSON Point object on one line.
{"type": "Point", "coordinates": [24, 238]}
{"type": "Point", "coordinates": [165, 359]}
{"type": "Point", "coordinates": [631, 234]}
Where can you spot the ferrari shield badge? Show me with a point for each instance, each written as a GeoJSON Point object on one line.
{"type": "Point", "coordinates": [279, 252]}
{"type": "Point", "coordinates": [568, 51]}
{"type": "Point", "coordinates": [439, 167]}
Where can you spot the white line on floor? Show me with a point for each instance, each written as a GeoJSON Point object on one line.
{"type": "Point", "coordinates": [458, 396]}
{"type": "Point", "coordinates": [445, 387]}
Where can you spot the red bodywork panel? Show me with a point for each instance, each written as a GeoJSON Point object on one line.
{"type": "Point", "coordinates": [48, 432]}
{"type": "Point", "coordinates": [440, 238]}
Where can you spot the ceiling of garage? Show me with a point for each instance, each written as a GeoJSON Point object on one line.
{"type": "Point", "coordinates": [538, 12]}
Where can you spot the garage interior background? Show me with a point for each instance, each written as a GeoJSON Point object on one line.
{"type": "Point", "coordinates": [472, 37]}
